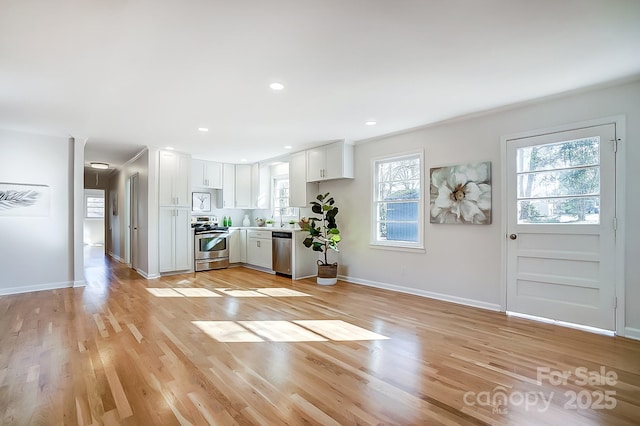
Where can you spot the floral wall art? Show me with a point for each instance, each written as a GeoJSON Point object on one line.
{"type": "Point", "coordinates": [24, 200]}
{"type": "Point", "coordinates": [461, 194]}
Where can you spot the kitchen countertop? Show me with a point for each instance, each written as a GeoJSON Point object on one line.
{"type": "Point", "coordinates": [266, 228]}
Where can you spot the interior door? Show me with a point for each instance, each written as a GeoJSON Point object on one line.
{"type": "Point", "coordinates": [135, 258]}
{"type": "Point", "coordinates": [561, 226]}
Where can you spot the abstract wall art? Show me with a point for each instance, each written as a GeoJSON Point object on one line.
{"type": "Point", "coordinates": [461, 194]}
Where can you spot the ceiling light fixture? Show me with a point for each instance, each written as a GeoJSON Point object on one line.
{"type": "Point", "coordinates": [170, 148]}
{"type": "Point", "coordinates": [288, 147]}
{"type": "Point", "coordinates": [101, 166]}
{"type": "Point", "coordinates": [244, 160]}
{"type": "Point", "coordinates": [203, 129]}
{"type": "Point", "coordinates": [276, 86]}
{"type": "Point", "coordinates": [370, 123]}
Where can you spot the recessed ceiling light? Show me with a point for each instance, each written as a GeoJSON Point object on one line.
{"type": "Point", "coordinates": [102, 166]}
{"type": "Point", "coordinates": [370, 123]}
{"type": "Point", "coordinates": [203, 129]}
{"type": "Point", "coordinates": [288, 147]}
{"type": "Point", "coordinates": [276, 86]}
{"type": "Point", "coordinates": [170, 148]}
{"type": "Point", "coordinates": [244, 160]}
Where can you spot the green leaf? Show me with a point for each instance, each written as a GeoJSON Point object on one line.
{"type": "Point", "coordinates": [326, 208]}
{"type": "Point", "coordinates": [317, 209]}
{"type": "Point", "coordinates": [307, 242]}
{"type": "Point", "coordinates": [318, 247]}
{"type": "Point", "coordinates": [334, 231]}
{"type": "Point", "coordinates": [319, 197]}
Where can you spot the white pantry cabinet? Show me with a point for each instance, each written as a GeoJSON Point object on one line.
{"type": "Point", "coordinates": [174, 239]}
{"type": "Point", "coordinates": [173, 179]}
{"type": "Point", "coordinates": [332, 161]}
{"type": "Point", "coordinates": [206, 174]}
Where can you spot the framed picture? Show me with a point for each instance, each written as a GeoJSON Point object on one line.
{"type": "Point", "coordinates": [461, 194]}
{"type": "Point", "coordinates": [201, 202]}
{"type": "Point", "coordinates": [18, 199]}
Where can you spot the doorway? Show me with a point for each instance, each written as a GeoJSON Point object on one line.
{"type": "Point", "coordinates": [561, 225]}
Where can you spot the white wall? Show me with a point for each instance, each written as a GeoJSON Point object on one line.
{"type": "Point", "coordinates": [37, 252]}
{"type": "Point", "coordinates": [465, 261]}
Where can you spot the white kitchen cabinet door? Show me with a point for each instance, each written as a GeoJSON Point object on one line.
{"type": "Point", "coordinates": [244, 184]}
{"type": "Point", "coordinates": [332, 161]}
{"type": "Point", "coordinates": [213, 175]}
{"type": "Point", "coordinates": [261, 186]}
{"type": "Point", "coordinates": [259, 252]}
{"type": "Point", "coordinates": [174, 179]}
{"type": "Point", "coordinates": [206, 174]}
{"type": "Point", "coordinates": [315, 164]}
{"type": "Point", "coordinates": [237, 246]}
{"type": "Point", "coordinates": [301, 192]}
{"type": "Point", "coordinates": [174, 239]}
{"type": "Point", "coordinates": [229, 186]}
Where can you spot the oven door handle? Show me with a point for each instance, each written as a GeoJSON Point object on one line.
{"type": "Point", "coordinates": [214, 235]}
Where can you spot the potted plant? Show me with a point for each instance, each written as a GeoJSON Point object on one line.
{"type": "Point", "coordinates": [292, 224]}
{"type": "Point", "coordinates": [323, 236]}
{"type": "Point", "coordinates": [269, 223]}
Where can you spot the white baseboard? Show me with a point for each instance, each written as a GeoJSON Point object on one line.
{"type": "Point", "coordinates": [81, 283]}
{"type": "Point", "coordinates": [632, 333]}
{"type": "Point", "coordinates": [36, 287]}
{"type": "Point", "coordinates": [439, 296]}
{"type": "Point", "coordinates": [116, 257]}
{"type": "Point", "coordinates": [147, 276]}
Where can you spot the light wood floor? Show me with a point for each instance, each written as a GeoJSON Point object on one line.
{"type": "Point", "coordinates": [116, 352]}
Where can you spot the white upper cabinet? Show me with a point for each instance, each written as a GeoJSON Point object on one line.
{"type": "Point", "coordinates": [332, 161]}
{"type": "Point", "coordinates": [174, 173]}
{"type": "Point", "coordinates": [244, 184]}
{"type": "Point", "coordinates": [206, 174]}
{"type": "Point", "coordinates": [301, 192]}
{"type": "Point", "coordinates": [228, 186]}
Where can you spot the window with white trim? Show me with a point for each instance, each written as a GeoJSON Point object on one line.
{"type": "Point", "coordinates": [398, 201]}
{"type": "Point", "coordinates": [281, 199]}
{"type": "Point", "coordinates": [94, 206]}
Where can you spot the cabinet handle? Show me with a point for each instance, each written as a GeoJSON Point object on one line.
{"type": "Point", "coordinates": [258, 242]}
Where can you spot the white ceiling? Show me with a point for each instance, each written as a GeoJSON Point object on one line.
{"type": "Point", "coordinates": [124, 74]}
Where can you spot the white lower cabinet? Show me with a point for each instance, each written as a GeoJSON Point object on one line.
{"type": "Point", "coordinates": [174, 239]}
{"type": "Point", "coordinates": [237, 246]}
{"type": "Point", "coordinates": [259, 248]}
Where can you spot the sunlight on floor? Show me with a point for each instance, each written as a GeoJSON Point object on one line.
{"type": "Point", "coordinates": [285, 331]}
{"type": "Point", "coordinates": [233, 292]}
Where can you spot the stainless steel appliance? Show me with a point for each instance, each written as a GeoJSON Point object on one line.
{"type": "Point", "coordinates": [281, 252]}
{"type": "Point", "coordinates": [211, 247]}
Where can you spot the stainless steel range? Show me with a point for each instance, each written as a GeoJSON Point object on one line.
{"type": "Point", "coordinates": [211, 246]}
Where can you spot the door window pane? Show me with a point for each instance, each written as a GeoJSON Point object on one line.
{"type": "Point", "coordinates": [553, 182]}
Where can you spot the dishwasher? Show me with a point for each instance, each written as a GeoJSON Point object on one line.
{"type": "Point", "coordinates": [281, 260]}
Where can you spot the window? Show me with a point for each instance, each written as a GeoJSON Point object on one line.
{"type": "Point", "coordinates": [281, 199]}
{"type": "Point", "coordinates": [397, 201]}
{"type": "Point", "coordinates": [559, 182]}
{"type": "Point", "coordinates": [94, 206]}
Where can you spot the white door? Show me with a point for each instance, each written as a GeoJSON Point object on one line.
{"type": "Point", "coordinates": [561, 226]}
{"type": "Point", "coordinates": [135, 242]}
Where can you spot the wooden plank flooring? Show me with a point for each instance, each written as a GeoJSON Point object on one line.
{"type": "Point", "coordinates": [121, 352]}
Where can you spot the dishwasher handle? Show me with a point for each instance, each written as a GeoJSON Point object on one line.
{"type": "Point", "coordinates": [281, 235]}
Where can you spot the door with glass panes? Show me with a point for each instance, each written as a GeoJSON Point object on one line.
{"type": "Point", "coordinates": [561, 226]}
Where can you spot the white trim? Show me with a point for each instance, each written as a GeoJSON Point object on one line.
{"type": "Point", "coordinates": [619, 280]}
{"type": "Point", "coordinates": [36, 287]}
{"type": "Point", "coordinates": [632, 333]}
{"type": "Point", "coordinates": [563, 324]}
{"type": "Point", "coordinates": [147, 276]}
{"type": "Point", "coordinates": [116, 257]}
{"type": "Point", "coordinates": [417, 292]}
{"type": "Point", "coordinates": [81, 283]}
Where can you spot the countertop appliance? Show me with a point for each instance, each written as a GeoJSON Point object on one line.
{"type": "Point", "coordinates": [281, 252]}
{"type": "Point", "coordinates": [211, 249]}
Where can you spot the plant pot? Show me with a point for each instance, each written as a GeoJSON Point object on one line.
{"type": "Point", "coordinates": [327, 274]}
